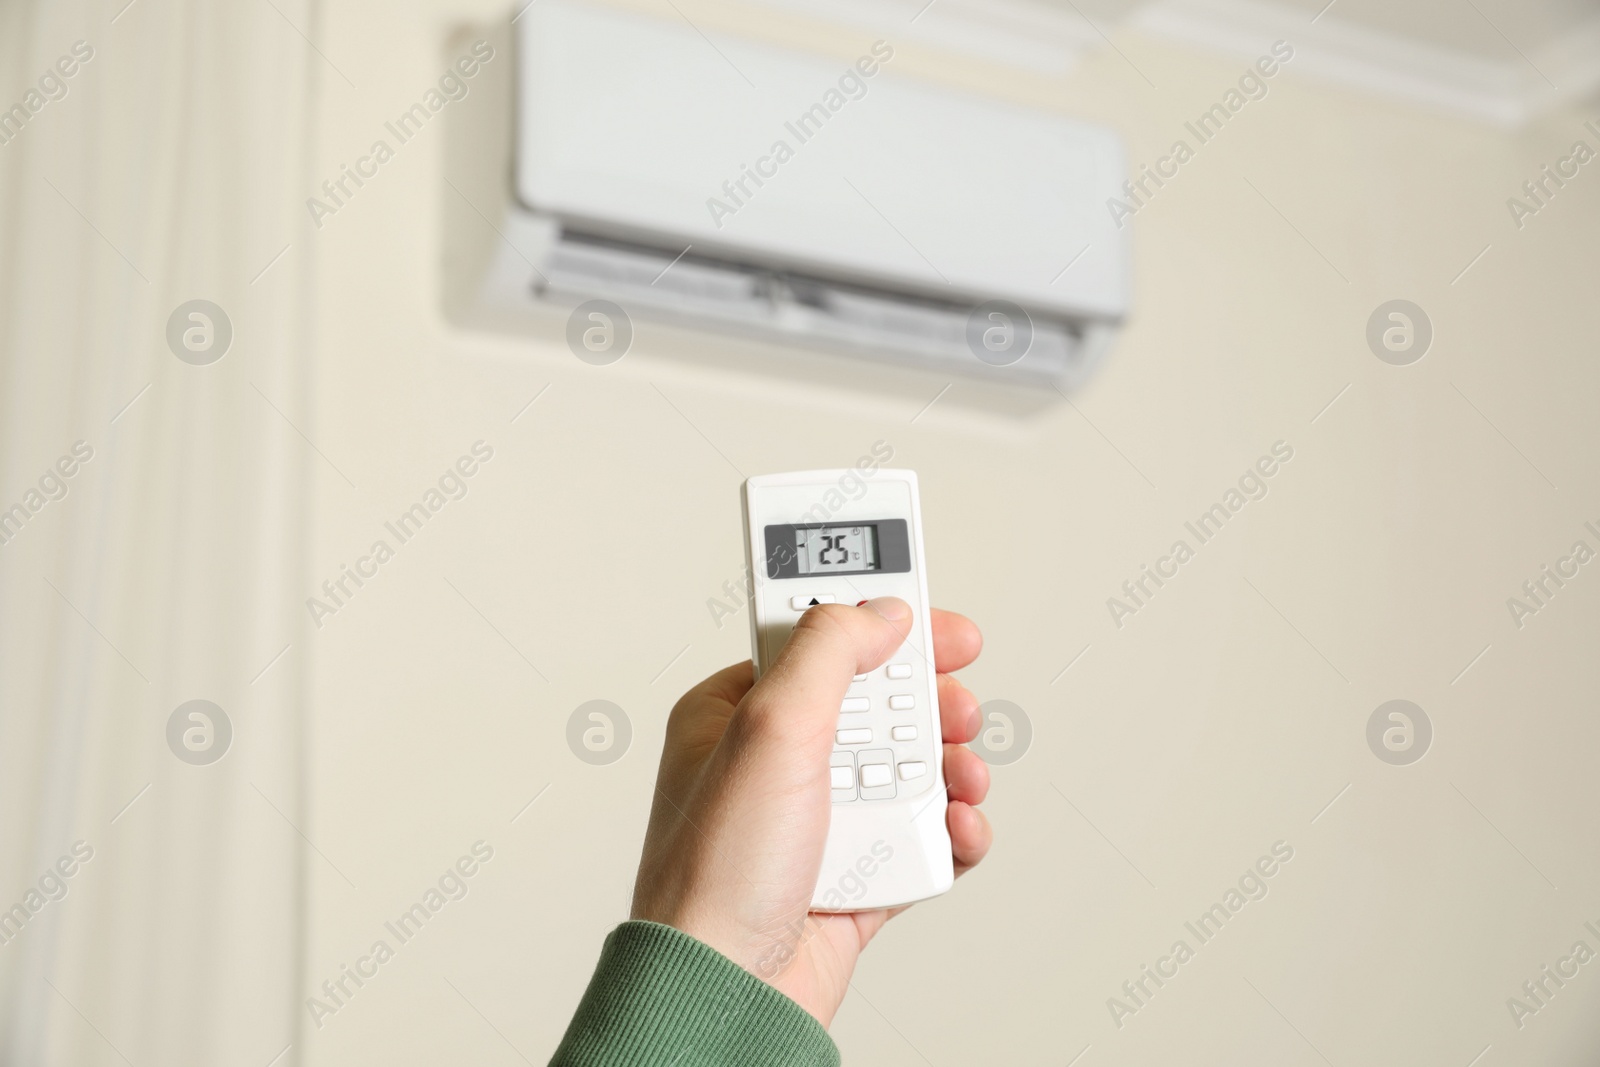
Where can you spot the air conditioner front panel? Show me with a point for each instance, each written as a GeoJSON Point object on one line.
{"type": "Point", "coordinates": [632, 125]}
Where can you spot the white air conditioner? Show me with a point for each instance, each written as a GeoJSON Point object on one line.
{"type": "Point", "coordinates": [827, 202]}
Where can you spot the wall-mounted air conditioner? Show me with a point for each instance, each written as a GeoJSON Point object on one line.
{"type": "Point", "coordinates": [825, 202]}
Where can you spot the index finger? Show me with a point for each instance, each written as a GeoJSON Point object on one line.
{"type": "Point", "coordinates": [956, 640]}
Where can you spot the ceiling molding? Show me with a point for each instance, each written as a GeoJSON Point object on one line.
{"type": "Point", "coordinates": [1045, 39]}
{"type": "Point", "coordinates": [1506, 93]}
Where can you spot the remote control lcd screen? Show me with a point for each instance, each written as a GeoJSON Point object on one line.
{"type": "Point", "coordinates": [820, 549]}
{"type": "Point", "coordinates": [837, 549]}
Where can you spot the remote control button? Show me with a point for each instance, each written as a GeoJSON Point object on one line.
{"type": "Point", "coordinates": [842, 773]}
{"type": "Point", "coordinates": [855, 704]}
{"type": "Point", "coordinates": [898, 670]}
{"type": "Point", "coordinates": [905, 733]}
{"type": "Point", "coordinates": [859, 736]}
{"type": "Point", "coordinates": [902, 702]}
{"type": "Point", "coordinates": [801, 603]}
{"type": "Point", "coordinates": [876, 778]}
{"type": "Point", "coordinates": [907, 771]}
{"type": "Point", "coordinates": [874, 775]}
{"type": "Point", "coordinates": [859, 678]}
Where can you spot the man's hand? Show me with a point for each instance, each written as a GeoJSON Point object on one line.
{"type": "Point", "coordinates": [742, 800]}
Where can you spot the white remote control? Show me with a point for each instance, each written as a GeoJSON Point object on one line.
{"type": "Point", "coordinates": [844, 536]}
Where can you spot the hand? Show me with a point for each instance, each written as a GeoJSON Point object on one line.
{"type": "Point", "coordinates": [742, 801]}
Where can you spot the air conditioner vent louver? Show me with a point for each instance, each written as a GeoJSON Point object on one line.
{"type": "Point", "coordinates": [800, 308]}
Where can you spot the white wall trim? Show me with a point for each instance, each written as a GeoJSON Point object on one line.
{"type": "Point", "coordinates": [1506, 93]}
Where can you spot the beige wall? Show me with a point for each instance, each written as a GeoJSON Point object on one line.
{"type": "Point", "coordinates": [1192, 739]}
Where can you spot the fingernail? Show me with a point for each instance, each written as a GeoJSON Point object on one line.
{"type": "Point", "coordinates": [975, 724]}
{"type": "Point", "coordinates": [890, 607]}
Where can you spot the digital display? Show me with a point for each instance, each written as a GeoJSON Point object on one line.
{"type": "Point", "coordinates": [820, 549]}
{"type": "Point", "coordinates": [836, 549]}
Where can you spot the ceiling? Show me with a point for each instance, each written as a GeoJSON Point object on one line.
{"type": "Point", "coordinates": [1482, 29]}
{"type": "Point", "coordinates": [1459, 25]}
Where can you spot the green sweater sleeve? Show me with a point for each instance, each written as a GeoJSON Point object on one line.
{"type": "Point", "coordinates": [660, 998]}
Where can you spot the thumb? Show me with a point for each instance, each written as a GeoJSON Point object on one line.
{"type": "Point", "coordinates": [829, 646]}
